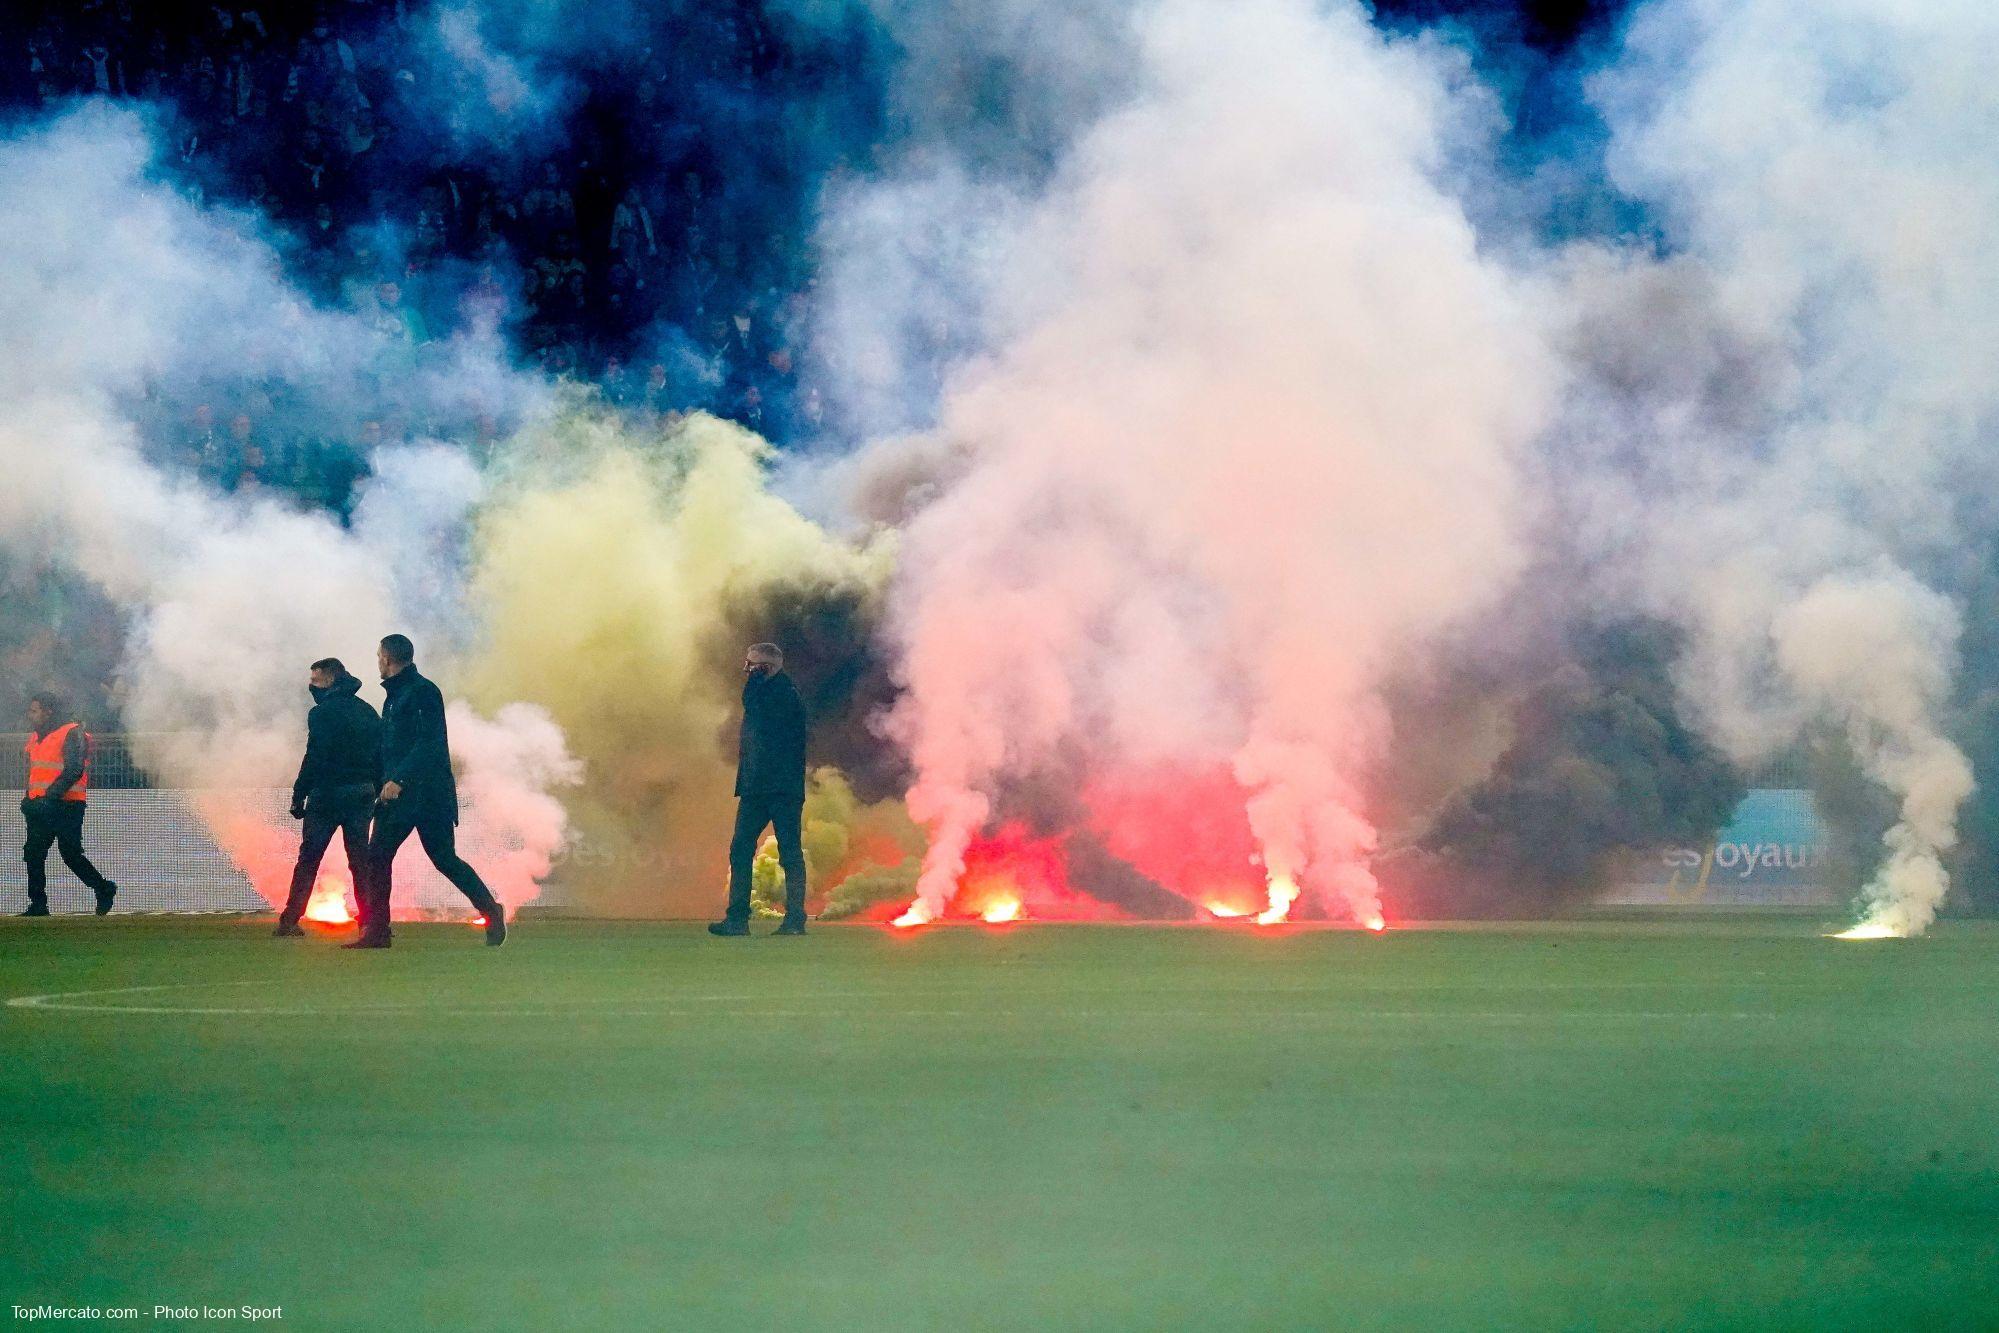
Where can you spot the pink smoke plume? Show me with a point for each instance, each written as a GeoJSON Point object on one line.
{"type": "Point", "coordinates": [1246, 435]}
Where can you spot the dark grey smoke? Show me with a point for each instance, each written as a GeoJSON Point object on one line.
{"type": "Point", "coordinates": [1600, 765]}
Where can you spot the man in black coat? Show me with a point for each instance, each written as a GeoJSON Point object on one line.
{"type": "Point", "coordinates": [419, 795]}
{"type": "Point", "coordinates": [336, 786]}
{"type": "Point", "coordinates": [770, 789]}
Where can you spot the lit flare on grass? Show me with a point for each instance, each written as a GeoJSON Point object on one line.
{"type": "Point", "coordinates": [1226, 911]}
{"type": "Point", "coordinates": [328, 904]}
{"type": "Point", "coordinates": [1283, 892]}
{"type": "Point", "coordinates": [1871, 930]}
{"type": "Point", "coordinates": [916, 914]}
{"type": "Point", "coordinates": [1000, 911]}
{"type": "Point", "coordinates": [1375, 924]}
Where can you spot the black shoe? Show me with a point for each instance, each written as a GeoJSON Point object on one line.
{"type": "Point", "coordinates": [104, 897]}
{"type": "Point", "coordinates": [728, 928]}
{"type": "Point", "coordinates": [369, 942]}
{"type": "Point", "coordinates": [35, 909]}
{"type": "Point", "coordinates": [496, 926]}
{"type": "Point", "coordinates": [288, 930]}
{"type": "Point", "coordinates": [790, 928]}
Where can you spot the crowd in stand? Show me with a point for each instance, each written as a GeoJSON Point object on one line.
{"type": "Point", "coordinates": [635, 222]}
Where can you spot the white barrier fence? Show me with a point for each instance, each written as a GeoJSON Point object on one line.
{"type": "Point", "coordinates": [164, 859]}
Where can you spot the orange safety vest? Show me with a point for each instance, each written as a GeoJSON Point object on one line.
{"type": "Point", "coordinates": [45, 762]}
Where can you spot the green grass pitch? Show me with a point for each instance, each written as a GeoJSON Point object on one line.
{"type": "Point", "coordinates": [1730, 1124]}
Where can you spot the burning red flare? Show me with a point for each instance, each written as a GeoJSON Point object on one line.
{"type": "Point", "coordinates": [1283, 892]}
{"type": "Point", "coordinates": [1013, 874]}
{"type": "Point", "coordinates": [916, 914]}
{"type": "Point", "coordinates": [1001, 910]}
{"type": "Point", "coordinates": [328, 904]}
{"type": "Point", "coordinates": [1183, 828]}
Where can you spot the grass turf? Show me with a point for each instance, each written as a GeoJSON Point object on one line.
{"type": "Point", "coordinates": [625, 1126]}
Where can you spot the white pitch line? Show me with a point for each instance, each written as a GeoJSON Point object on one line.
{"type": "Point", "coordinates": [67, 1002]}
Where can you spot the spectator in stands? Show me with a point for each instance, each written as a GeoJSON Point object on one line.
{"type": "Point", "coordinates": [202, 440]}
{"type": "Point", "coordinates": [325, 117]}
{"type": "Point", "coordinates": [656, 397]}
{"type": "Point", "coordinates": [395, 316]}
{"type": "Point", "coordinates": [617, 382]}
{"type": "Point", "coordinates": [242, 436]}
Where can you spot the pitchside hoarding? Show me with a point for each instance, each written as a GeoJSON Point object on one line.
{"type": "Point", "coordinates": [164, 859]}
{"type": "Point", "coordinates": [1774, 853]}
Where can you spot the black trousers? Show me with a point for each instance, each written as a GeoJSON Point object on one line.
{"type": "Point", "coordinates": [781, 814]}
{"type": "Point", "coordinates": [343, 810]}
{"type": "Point", "coordinates": [58, 824]}
{"type": "Point", "coordinates": [438, 831]}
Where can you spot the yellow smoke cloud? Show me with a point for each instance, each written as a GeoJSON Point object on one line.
{"type": "Point", "coordinates": [613, 568]}
{"type": "Point", "coordinates": [856, 853]}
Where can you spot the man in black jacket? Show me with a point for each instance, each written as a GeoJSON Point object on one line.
{"type": "Point", "coordinates": [58, 758]}
{"type": "Point", "coordinates": [336, 786]}
{"type": "Point", "coordinates": [419, 795]}
{"type": "Point", "coordinates": [770, 789]}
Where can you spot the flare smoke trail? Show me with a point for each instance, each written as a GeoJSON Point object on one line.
{"type": "Point", "coordinates": [1806, 378]}
{"type": "Point", "coordinates": [1245, 439]}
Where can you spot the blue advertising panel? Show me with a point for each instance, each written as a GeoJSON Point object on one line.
{"type": "Point", "coordinates": [1774, 853]}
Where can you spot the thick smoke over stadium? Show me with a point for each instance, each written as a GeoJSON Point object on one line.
{"type": "Point", "coordinates": [1203, 459]}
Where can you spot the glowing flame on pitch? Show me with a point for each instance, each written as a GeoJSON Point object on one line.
{"type": "Point", "coordinates": [1001, 910]}
{"type": "Point", "coordinates": [1375, 924]}
{"type": "Point", "coordinates": [1283, 892]}
{"type": "Point", "coordinates": [915, 915]}
{"type": "Point", "coordinates": [1871, 930]}
{"type": "Point", "coordinates": [328, 904]}
{"type": "Point", "coordinates": [1226, 911]}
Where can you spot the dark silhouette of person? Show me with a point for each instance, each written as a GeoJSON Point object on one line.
{"type": "Point", "coordinates": [419, 795]}
{"type": "Point", "coordinates": [770, 789]}
{"type": "Point", "coordinates": [58, 753]}
{"type": "Point", "coordinates": [336, 786]}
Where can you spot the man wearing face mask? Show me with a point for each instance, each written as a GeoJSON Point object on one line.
{"type": "Point", "coordinates": [770, 789]}
{"type": "Point", "coordinates": [336, 786]}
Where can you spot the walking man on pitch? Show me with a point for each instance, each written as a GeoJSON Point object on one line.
{"type": "Point", "coordinates": [770, 789]}
{"type": "Point", "coordinates": [58, 753]}
{"type": "Point", "coordinates": [419, 795]}
{"type": "Point", "coordinates": [336, 786]}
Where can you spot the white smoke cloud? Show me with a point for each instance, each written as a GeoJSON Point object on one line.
{"type": "Point", "coordinates": [1781, 417]}
{"type": "Point", "coordinates": [478, 71]}
{"type": "Point", "coordinates": [114, 282]}
{"type": "Point", "coordinates": [417, 506]}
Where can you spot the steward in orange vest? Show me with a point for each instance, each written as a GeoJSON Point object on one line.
{"type": "Point", "coordinates": [58, 754]}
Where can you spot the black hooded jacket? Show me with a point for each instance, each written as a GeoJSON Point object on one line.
{"type": "Point", "coordinates": [342, 741]}
{"type": "Point", "coordinates": [416, 750]}
{"type": "Point", "coordinates": [770, 759]}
